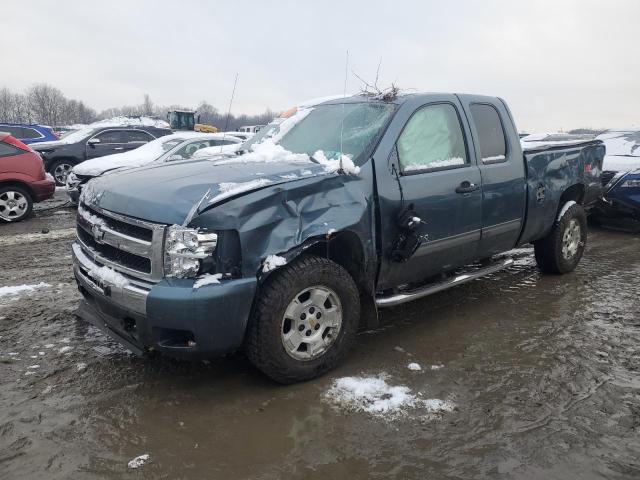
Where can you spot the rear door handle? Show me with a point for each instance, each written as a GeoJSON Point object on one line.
{"type": "Point", "coordinates": [467, 187]}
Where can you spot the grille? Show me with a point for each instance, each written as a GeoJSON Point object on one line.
{"type": "Point", "coordinates": [116, 255]}
{"type": "Point", "coordinates": [125, 228]}
{"type": "Point", "coordinates": [606, 176]}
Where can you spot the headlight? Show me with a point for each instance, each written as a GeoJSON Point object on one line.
{"type": "Point", "coordinates": [185, 250]}
{"type": "Point", "coordinates": [631, 183]}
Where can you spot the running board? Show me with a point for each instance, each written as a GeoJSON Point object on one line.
{"type": "Point", "coordinates": [400, 298]}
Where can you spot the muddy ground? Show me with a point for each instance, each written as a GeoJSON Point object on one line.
{"type": "Point", "coordinates": [543, 372]}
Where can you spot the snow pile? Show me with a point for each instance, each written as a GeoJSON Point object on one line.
{"type": "Point", "coordinates": [375, 396]}
{"type": "Point", "coordinates": [414, 366]}
{"type": "Point", "coordinates": [109, 276]}
{"type": "Point", "coordinates": [207, 279]}
{"type": "Point", "coordinates": [272, 262]}
{"type": "Point", "coordinates": [229, 189]}
{"type": "Point", "coordinates": [437, 367]}
{"type": "Point", "coordinates": [343, 164]}
{"type": "Point", "coordinates": [65, 349]}
{"type": "Point", "coordinates": [266, 152]}
{"type": "Point", "coordinates": [139, 461]}
{"type": "Point", "coordinates": [15, 290]}
{"type": "Point", "coordinates": [218, 150]}
{"type": "Point", "coordinates": [448, 162]}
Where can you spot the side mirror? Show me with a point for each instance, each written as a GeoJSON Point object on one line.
{"type": "Point", "coordinates": [93, 141]}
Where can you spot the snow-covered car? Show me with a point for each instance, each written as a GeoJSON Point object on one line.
{"type": "Point", "coordinates": [620, 178]}
{"type": "Point", "coordinates": [177, 146]}
{"type": "Point", "coordinates": [241, 135]}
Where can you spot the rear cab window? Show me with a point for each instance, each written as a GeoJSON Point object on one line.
{"type": "Point", "coordinates": [493, 145]}
{"type": "Point", "coordinates": [432, 140]}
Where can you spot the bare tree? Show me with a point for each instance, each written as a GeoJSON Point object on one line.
{"type": "Point", "coordinates": [46, 103]}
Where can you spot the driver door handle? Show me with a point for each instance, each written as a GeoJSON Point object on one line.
{"type": "Point", "coordinates": [467, 187]}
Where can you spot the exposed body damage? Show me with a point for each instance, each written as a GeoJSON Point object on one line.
{"type": "Point", "coordinates": [287, 249]}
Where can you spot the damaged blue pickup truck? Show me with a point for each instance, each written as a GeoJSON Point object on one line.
{"type": "Point", "coordinates": [343, 207]}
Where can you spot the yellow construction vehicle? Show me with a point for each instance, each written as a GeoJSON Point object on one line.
{"type": "Point", "coordinates": [186, 120]}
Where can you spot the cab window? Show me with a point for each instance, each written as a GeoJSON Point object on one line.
{"type": "Point", "coordinates": [432, 139]}
{"type": "Point", "coordinates": [490, 133]}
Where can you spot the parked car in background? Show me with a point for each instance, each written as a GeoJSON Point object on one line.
{"type": "Point", "coordinates": [23, 180]}
{"type": "Point", "coordinates": [350, 205]}
{"type": "Point", "coordinates": [250, 128]}
{"type": "Point", "coordinates": [241, 135]}
{"type": "Point", "coordinates": [620, 203]}
{"type": "Point", "coordinates": [97, 140]}
{"type": "Point", "coordinates": [66, 130]}
{"type": "Point", "coordinates": [29, 134]}
{"type": "Point", "coordinates": [177, 146]}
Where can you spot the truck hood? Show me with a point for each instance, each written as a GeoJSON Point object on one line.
{"type": "Point", "coordinates": [49, 145]}
{"type": "Point", "coordinates": [167, 192]}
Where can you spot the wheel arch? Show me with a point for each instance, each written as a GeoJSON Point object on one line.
{"type": "Point", "coordinates": [347, 250]}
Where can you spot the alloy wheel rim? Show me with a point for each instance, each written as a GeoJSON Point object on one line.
{"type": "Point", "coordinates": [571, 239]}
{"type": "Point", "coordinates": [61, 171]}
{"type": "Point", "coordinates": [311, 323]}
{"type": "Point", "coordinates": [13, 205]}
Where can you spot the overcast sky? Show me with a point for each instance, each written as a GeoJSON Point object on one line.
{"type": "Point", "coordinates": [559, 64]}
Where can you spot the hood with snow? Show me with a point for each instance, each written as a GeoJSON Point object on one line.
{"type": "Point", "coordinates": [166, 192]}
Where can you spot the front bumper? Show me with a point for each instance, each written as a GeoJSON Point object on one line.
{"type": "Point", "coordinates": [43, 189]}
{"type": "Point", "coordinates": [171, 317]}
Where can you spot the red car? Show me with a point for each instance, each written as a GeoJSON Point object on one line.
{"type": "Point", "coordinates": [22, 179]}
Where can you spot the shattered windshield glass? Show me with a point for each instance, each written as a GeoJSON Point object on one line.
{"type": "Point", "coordinates": [349, 127]}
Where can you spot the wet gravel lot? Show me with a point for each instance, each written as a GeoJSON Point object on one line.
{"type": "Point", "coordinates": [542, 373]}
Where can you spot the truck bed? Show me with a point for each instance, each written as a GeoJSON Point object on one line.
{"type": "Point", "coordinates": [556, 173]}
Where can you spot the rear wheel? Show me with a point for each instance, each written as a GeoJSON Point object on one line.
{"type": "Point", "coordinates": [562, 249]}
{"type": "Point", "coordinates": [15, 204]}
{"type": "Point", "coordinates": [60, 170]}
{"type": "Point", "coordinates": [304, 321]}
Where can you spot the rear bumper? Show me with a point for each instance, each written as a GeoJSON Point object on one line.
{"type": "Point", "coordinates": [171, 317]}
{"type": "Point", "coordinates": [43, 189]}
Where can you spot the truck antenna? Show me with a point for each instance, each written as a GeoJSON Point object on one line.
{"type": "Point", "coordinates": [226, 123]}
{"type": "Point", "coordinates": [344, 95]}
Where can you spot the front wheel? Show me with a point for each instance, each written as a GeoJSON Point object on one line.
{"type": "Point", "coordinates": [304, 321]}
{"type": "Point", "coordinates": [60, 170]}
{"type": "Point", "coordinates": [562, 249]}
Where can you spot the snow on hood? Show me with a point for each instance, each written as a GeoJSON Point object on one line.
{"type": "Point", "coordinates": [138, 157]}
{"type": "Point", "coordinates": [623, 149]}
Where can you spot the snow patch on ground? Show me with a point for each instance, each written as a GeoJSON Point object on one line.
{"type": "Point", "coordinates": [373, 395]}
{"type": "Point", "coordinates": [414, 366]}
{"type": "Point", "coordinates": [139, 461]}
{"type": "Point", "coordinates": [272, 262]}
{"type": "Point", "coordinates": [207, 279]}
{"type": "Point", "coordinates": [65, 349]}
{"type": "Point", "coordinates": [437, 367]}
{"type": "Point", "coordinates": [37, 237]}
{"type": "Point", "coordinates": [17, 289]}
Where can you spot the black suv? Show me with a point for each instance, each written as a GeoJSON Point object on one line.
{"type": "Point", "coordinates": [60, 156]}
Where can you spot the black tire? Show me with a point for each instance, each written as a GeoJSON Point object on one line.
{"type": "Point", "coordinates": [264, 345]}
{"type": "Point", "coordinates": [549, 250]}
{"type": "Point", "coordinates": [62, 165]}
{"type": "Point", "coordinates": [9, 193]}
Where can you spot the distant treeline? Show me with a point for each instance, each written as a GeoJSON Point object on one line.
{"type": "Point", "coordinates": [47, 105]}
